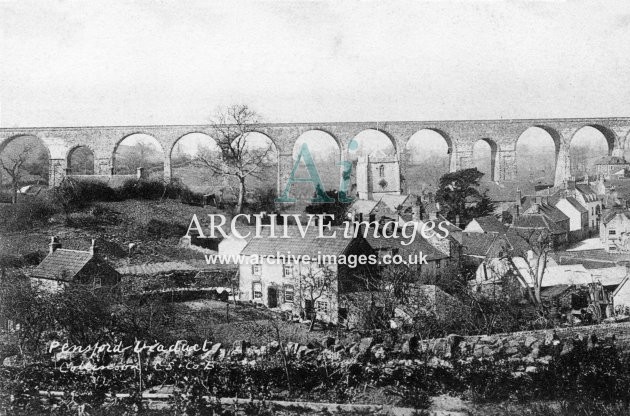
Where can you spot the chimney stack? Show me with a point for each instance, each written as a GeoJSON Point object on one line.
{"type": "Point", "coordinates": [415, 213]}
{"type": "Point", "coordinates": [536, 208]}
{"type": "Point", "coordinates": [92, 248]}
{"type": "Point", "coordinates": [54, 244]}
{"type": "Point", "coordinates": [457, 221]}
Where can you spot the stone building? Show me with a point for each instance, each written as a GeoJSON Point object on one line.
{"type": "Point", "coordinates": [378, 174]}
{"type": "Point", "coordinates": [62, 267]}
{"type": "Point", "coordinates": [614, 231]}
{"type": "Point", "coordinates": [608, 165]}
{"type": "Point", "coordinates": [297, 274]}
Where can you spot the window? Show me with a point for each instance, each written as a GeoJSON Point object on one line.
{"type": "Point", "coordinates": [97, 282]}
{"type": "Point", "coordinates": [257, 290]}
{"type": "Point", "coordinates": [612, 248]}
{"type": "Point", "coordinates": [438, 264]}
{"type": "Point", "coordinates": [611, 232]}
{"type": "Point", "coordinates": [287, 270]}
{"type": "Point", "coordinates": [381, 171]}
{"type": "Point", "coordinates": [288, 293]}
{"type": "Point", "coordinates": [256, 269]}
{"type": "Point", "coordinates": [321, 306]}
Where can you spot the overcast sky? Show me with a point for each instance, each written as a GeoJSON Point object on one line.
{"type": "Point", "coordinates": [113, 63]}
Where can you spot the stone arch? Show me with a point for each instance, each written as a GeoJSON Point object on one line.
{"type": "Point", "coordinates": [609, 135]}
{"type": "Point", "coordinates": [428, 154]}
{"type": "Point", "coordinates": [323, 134]}
{"type": "Point", "coordinates": [370, 136]}
{"type": "Point", "coordinates": [84, 169]}
{"type": "Point", "coordinates": [584, 152]}
{"type": "Point", "coordinates": [152, 165]}
{"type": "Point", "coordinates": [539, 134]}
{"type": "Point", "coordinates": [326, 151]}
{"type": "Point", "coordinates": [47, 169]}
{"type": "Point", "coordinates": [182, 156]}
{"type": "Point", "coordinates": [184, 137]}
{"type": "Point", "coordinates": [491, 173]}
{"type": "Point", "coordinates": [268, 136]}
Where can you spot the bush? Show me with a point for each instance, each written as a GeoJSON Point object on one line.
{"type": "Point", "coordinates": [26, 215]}
{"type": "Point", "coordinates": [165, 229]}
{"type": "Point", "coordinates": [142, 189]}
{"type": "Point", "coordinates": [156, 189]}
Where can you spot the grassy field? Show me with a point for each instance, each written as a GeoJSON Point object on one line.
{"type": "Point", "coordinates": [154, 226]}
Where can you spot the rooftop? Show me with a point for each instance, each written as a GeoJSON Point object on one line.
{"type": "Point", "coordinates": [612, 160]}
{"type": "Point", "coordinates": [310, 244]}
{"type": "Point", "coordinates": [62, 264]}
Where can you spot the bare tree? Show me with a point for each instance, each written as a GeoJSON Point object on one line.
{"type": "Point", "coordinates": [239, 159]}
{"type": "Point", "coordinates": [539, 242]}
{"type": "Point", "coordinates": [317, 283]}
{"type": "Point", "coordinates": [14, 166]}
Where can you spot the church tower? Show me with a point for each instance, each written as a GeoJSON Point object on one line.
{"type": "Point", "coordinates": [378, 174]}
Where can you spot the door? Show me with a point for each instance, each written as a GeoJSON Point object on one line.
{"type": "Point", "coordinates": [272, 297]}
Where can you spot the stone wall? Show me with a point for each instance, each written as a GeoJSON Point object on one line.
{"type": "Point", "coordinates": [524, 351]}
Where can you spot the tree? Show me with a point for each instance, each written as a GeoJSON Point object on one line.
{"type": "Point", "coordinates": [15, 166]}
{"type": "Point", "coordinates": [336, 208]}
{"type": "Point", "coordinates": [458, 195]}
{"type": "Point", "coordinates": [318, 283]}
{"type": "Point", "coordinates": [540, 244]}
{"type": "Point", "coordinates": [239, 159]}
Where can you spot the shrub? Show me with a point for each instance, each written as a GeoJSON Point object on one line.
{"type": "Point", "coordinates": [164, 229]}
{"type": "Point", "coordinates": [26, 214]}
{"type": "Point", "coordinates": [142, 189]}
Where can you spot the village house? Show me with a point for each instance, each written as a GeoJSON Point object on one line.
{"type": "Point", "coordinates": [608, 165]}
{"type": "Point", "coordinates": [586, 196]}
{"type": "Point", "coordinates": [62, 267]}
{"type": "Point", "coordinates": [298, 274]}
{"type": "Point", "coordinates": [578, 217]}
{"type": "Point", "coordinates": [532, 226]}
{"type": "Point", "coordinates": [615, 230]}
{"type": "Point", "coordinates": [441, 254]}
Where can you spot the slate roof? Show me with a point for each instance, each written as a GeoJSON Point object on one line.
{"type": "Point", "coordinates": [490, 224]}
{"type": "Point", "coordinates": [536, 222]}
{"type": "Point", "coordinates": [62, 264]}
{"type": "Point", "coordinates": [419, 244]}
{"type": "Point", "coordinates": [554, 213]}
{"type": "Point", "coordinates": [477, 244]}
{"type": "Point", "coordinates": [587, 192]}
{"type": "Point", "coordinates": [611, 160]}
{"type": "Point", "coordinates": [447, 224]}
{"type": "Point", "coordinates": [154, 268]}
{"type": "Point", "coordinates": [610, 215]}
{"type": "Point", "coordinates": [577, 205]}
{"type": "Point", "coordinates": [311, 244]}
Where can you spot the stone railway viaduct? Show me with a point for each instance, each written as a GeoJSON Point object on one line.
{"type": "Point", "coordinates": [460, 135]}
